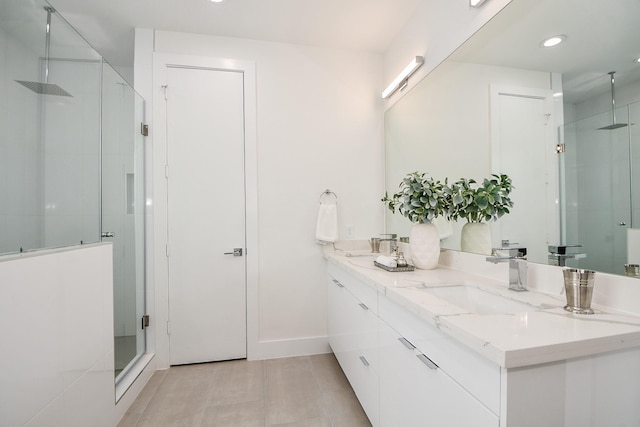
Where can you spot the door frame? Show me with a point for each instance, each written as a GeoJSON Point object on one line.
{"type": "Point", "coordinates": [551, 162]}
{"type": "Point", "coordinates": [160, 63]}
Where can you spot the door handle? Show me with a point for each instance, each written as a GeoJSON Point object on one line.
{"type": "Point", "coordinates": [107, 234]}
{"type": "Point", "coordinates": [236, 252]}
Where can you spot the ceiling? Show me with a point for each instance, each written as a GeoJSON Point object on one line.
{"type": "Point", "coordinates": [600, 38]}
{"type": "Point", "coordinates": [364, 25]}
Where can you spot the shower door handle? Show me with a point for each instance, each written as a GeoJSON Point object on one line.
{"type": "Point", "coordinates": [622, 224]}
{"type": "Point", "coordinates": [107, 234]}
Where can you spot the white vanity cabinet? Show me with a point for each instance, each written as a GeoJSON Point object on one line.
{"type": "Point", "coordinates": [414, 362]}
{"type": "Point", "coordinates": [397, 383]}
{"type": "Point", "coordinates": [414, 391]}
{"type": "Point", "coordinates": [352, 327]}
{"type": "Point", "coordinates": [477, 379]}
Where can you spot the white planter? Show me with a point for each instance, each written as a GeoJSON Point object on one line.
{"type": "Point", "coordinates": [476, 238]}
{"type": "Point", "coordinates": [424, 241]}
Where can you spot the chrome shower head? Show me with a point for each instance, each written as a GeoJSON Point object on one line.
{"type": "Point", "coordinates": [614, 125]}
{"type": "Point", "coordinates": [46, 88]}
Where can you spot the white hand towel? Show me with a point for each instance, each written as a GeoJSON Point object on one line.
{"type": "Point", "coordinates": [633, 245]}
{"type": "Point", "coordinates": [387, 261]}
{"type": "Point", "coordinates": [327, 226]}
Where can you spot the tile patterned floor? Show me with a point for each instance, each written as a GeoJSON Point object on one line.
{"type": "Point", "coordinates": [307, 391]}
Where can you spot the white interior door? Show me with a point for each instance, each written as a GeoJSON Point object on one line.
{"type": "Point", "coordinates": [206, 215]}
{"type": "Point", "coordinates": [523, 147]}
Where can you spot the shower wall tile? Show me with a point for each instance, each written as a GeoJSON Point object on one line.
{"type": "Point", "coordinates": [64, 345]}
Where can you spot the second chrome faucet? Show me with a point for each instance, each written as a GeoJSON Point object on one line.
{"type": "Point", "coordinates": [517, 258]}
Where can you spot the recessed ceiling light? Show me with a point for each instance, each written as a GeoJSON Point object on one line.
{"type": "Point", "coordinates": [216, 1]}
{"type": "Point", "coordinates": [553, 41]}
{"type": "Point", "coordinates": [637, 60]}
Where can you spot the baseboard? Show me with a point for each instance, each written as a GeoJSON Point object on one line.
{"type": "Point", "coordinates": [289, 348]}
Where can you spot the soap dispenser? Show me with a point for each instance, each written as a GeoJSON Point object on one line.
{"type": "Point", "coordinates": [401, 261]}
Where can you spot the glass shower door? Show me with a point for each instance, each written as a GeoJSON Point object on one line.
{"type": "Point", "coordinates": [123, 213]}
{"type": "Point", "coordinates": [598, 191]}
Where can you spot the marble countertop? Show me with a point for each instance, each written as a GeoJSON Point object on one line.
{"type": "Point", "coordinates": [542, 332]}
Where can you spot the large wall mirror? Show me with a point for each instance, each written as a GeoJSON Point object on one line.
{"type": "Point", "coordinates": [502, 103]}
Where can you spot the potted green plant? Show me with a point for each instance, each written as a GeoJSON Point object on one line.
{"type": "Point", "coordinates": [421, 199]}
{"type": "Point", "coordinates": [478, 204]}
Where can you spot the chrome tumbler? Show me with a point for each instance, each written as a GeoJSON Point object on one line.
{"type": "Point", "coordinates": [632, 270]}
{"type": "Point", "coordinates": [578, 286]}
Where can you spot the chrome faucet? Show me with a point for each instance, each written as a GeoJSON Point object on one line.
{"type": "Point", "coordinates": [517, 258]}
{"type": "Point", "coordinates": [558, 255]}
{"type": "Point", "coordinates": [391, 238]}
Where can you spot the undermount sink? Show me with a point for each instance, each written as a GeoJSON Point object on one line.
{"type": "Point", "coordinates": [478, 301]}
{"type": "Point", "coordinates": [362, 260]}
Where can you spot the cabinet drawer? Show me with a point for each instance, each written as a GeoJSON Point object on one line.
{"type": "Point", "coordinates": [338, 328]}
{"type": "Point", "coordinates": [353, 337]}
{"type": "Point", "coordinates": [415, 394]}
{"type": "Point", "coordinates": [367, 295]}
{"type": "Point", "coordinates": [365, 383]}
{"type": "Point", "coordinates": [351, 326]}
{"type": "Point", "coordinates": [476, 374]}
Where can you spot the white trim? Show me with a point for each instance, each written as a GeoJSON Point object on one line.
{"type": "Point", "coordinates": [291, 347]}
{"type": "Point", "coordinates": [160, 62]}
{"type": "Point", "coordinates": [130, 387]}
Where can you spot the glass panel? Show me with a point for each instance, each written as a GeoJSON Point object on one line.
{"type": "Point", "coordinates": [123, 211]}
{"type": "Point", "coordinates": [139, 209]}
{"type": "Point", "coordinates": [71, 155]}
{"type": "Point", "coordinates": [634, 140]}
{"type": "Point", "coordinates": [598, 189]}
{"type": "Point", "coordinates": [50, 121]}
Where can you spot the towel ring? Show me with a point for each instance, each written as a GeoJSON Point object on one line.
{"type": "Point", "coordinates": [328, 192]}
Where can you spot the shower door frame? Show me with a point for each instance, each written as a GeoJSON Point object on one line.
{"type": "Point", "coordinates": [118, 210]}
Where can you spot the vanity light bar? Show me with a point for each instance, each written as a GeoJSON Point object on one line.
{"type": "Point", "coordinates": [402, 78]}
{"type": "Point", "coordinates": [476, 3]}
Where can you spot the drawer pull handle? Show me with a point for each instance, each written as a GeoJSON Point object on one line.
{"type": "Point", "coordinates": [424, 359]}
{"type": "Point", "coordinates": [340, 285]}
{"type": "Point", "coordinates": [406, 343]}
{"type": "Point", "coordinates": [363, 306]}
{"type": "Point", "coordinates": [364, 361]}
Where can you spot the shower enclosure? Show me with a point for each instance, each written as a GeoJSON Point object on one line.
{"type": "Point", "coordinates": [602, 188]}
{"type": "Point", "coordinates": [71, 156]}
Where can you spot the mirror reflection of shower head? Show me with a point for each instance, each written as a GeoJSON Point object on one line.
{"type": "Point", "coordinates": [45, 88]}
{"type": "Point", "coordinates": [614, 125]}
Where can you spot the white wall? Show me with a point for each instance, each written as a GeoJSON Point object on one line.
{"type": "Point", "coordinates": [56, 362]}
{"type": "Point", "coordinates": [319, 126]}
